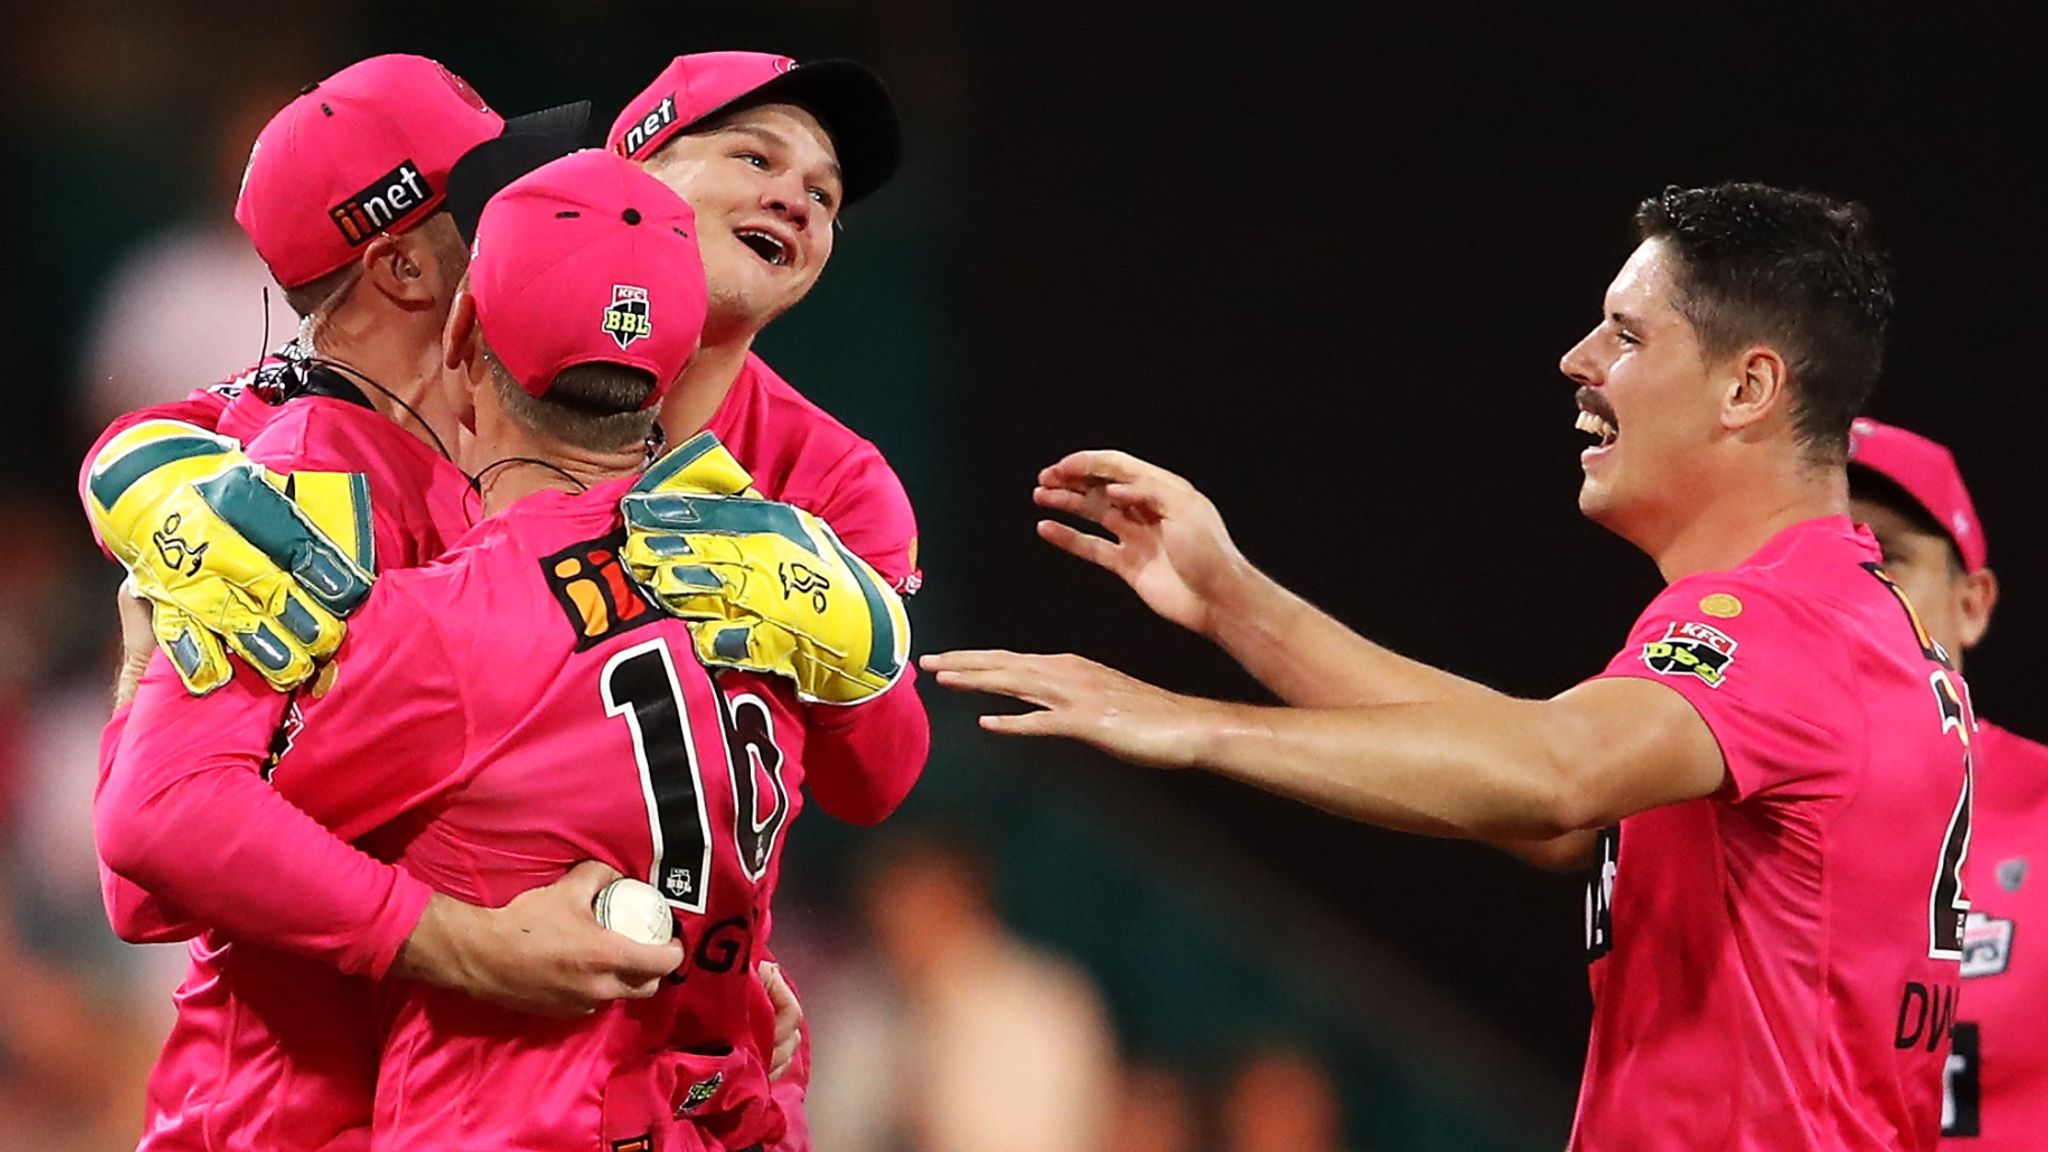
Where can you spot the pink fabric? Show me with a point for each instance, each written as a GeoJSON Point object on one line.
{"type": "Point", "coordinates": [1758, 952]}
{"type": "Point", "coordinates": [687, 89]}
{"type": "Point", "coordinates": [588, 259]}
{"type": "Point", "coordinates": [269, 1050]}
{"type": "Point", "coordinates": [363, 152]}
{"type": "Point", "coordinates": [800, 455]}
{"type": "Point", "coordinates": [1999, 1058]}
{"type": "Point", "coordinates": [502, 784]}
{"type": "Point", "coordinates": [1928, 473]}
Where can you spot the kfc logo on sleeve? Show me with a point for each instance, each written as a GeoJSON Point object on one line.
{"type": "Point", "coordinates": [1691, 649]}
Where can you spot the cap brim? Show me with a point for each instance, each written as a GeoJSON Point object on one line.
{"type": "Point", "coordinates": [569, 121]}
{"type": "Point", "coordinates": [487, 168]}
{"type": "Point", "coordinates": [853, 105]}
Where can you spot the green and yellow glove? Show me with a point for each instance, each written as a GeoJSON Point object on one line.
{"type": "Point", "coordinates": [768, 586]}
{"type": "Point", "coordinates": [227, 559]}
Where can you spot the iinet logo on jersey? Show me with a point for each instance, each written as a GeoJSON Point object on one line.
{"type": "Point", "coordinates": [376, 207]}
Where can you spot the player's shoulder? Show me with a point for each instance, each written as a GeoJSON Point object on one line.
{"type": "Point", "coordinates": [325, 433]}
{"type": "Point", "coordinates": [2006, 747]}
{"type": "Point", "coordinates": [796, 418]}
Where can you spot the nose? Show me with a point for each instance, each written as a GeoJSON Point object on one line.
{"type": "Point", "coordinates": [1578, 362]}
{"type": "Point", "coordinates": [786, 197]}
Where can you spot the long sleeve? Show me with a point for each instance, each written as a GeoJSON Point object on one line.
{"type": "Point", "coordinates": [861, 762]}
{"type": "Point", "coordinates": [186, 813]}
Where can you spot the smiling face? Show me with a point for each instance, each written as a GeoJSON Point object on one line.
{"type": "Point", "coordinates": [1647, 391]}
{"type": "Point", "coordinates": [766, 188]}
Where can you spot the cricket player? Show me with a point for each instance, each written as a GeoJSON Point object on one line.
{"type": "Point", "coordinates": [864, 765]}
{"type": "Point", "coordinates": [1772, 772]}
{"type": "Point", "coordinates": [770, 154]}
{"type": "Point", "coordinates": [1909, 492]}
{"type": "Point", "coordinates": [240, 1069]}
{"type": "Point", "coordinates": [519, 706]}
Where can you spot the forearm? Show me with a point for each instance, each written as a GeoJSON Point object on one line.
{"type": "Point", "coordinates": [135, 915]}
{"type": "Point", "coordinates": [226, 849]}
{"type": "Point", "coordinates": [1489, 769]}
{"type": "Point", "coordinates": [1309, 659]}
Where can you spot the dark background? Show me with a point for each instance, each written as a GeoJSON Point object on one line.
{"type": "Point", "coordinates": [1320, 259]}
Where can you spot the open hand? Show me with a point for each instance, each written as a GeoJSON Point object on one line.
{"type": "Point", "coordinates": [1167, 541]}
{"type": "Point", "coordinates": [1081, 700]}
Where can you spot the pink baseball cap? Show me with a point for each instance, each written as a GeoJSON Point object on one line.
{"type": "Point", "coordinates": [848, 99]}
{"type": "Point", "coordinates": [584, 260]}
{"type": "Point", "coordinates": [1927, 472]}
{"type": "Point", "coordinates": [365, 151]}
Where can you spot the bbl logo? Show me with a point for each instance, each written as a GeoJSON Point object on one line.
{"type": "Point", "coordinates": [1691, 649]}
{"type": "Point", "coordinates": [627, 318]}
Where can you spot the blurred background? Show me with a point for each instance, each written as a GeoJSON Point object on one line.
{"type": "Point", "coordinates": [1319, 258]}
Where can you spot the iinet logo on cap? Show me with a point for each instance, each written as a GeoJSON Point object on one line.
{"type": "Point", "coordinates": [627, 319]}
{"type": "Point", "coordinates": [388, 197]}
{"type": "Point", "coordinates": [638, 135]}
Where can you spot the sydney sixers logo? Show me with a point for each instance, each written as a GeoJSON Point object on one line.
{"type": "Point", "coordinates": [627, 319]}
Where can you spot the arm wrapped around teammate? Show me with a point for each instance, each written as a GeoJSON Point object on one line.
{"type": "Point", "coordinates": [227, 559]}
{"type": "Point", "coordinates": [770, 587]}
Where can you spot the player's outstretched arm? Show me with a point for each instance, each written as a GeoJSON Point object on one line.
{"type": "Point", "coordinates": [1168, 542]}
{"type": "Point", "coordinates": [1487, 768]}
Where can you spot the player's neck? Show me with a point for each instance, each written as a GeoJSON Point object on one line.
{"type": "Point", "coordinates": [706, 381]}
{"type": "Point", "coordinates": [513, 462]}
{"type": "Point", "coordinates": [1731, 524]}
{"type": "Point", "coordinates": [401, 378]}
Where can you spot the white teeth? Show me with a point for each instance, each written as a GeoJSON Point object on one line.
{"type": "Point", "coordinates": [775, 253]}
{"type": "Point", "coordinates": [1593, 423]}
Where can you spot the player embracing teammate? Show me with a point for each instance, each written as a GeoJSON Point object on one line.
{"type": "Point", "coordinates": [353, 911]}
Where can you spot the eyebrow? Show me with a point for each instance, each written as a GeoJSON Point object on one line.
{"type": "Point", "coordinates": [1625, 319]}
{"type": "Point", "coordinates": [776, 139]}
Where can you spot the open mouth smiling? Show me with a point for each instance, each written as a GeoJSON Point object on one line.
{"type": "Point", "coordinates": [769, 247]}
{"type": "Point", "coordinates": [1596, 417]}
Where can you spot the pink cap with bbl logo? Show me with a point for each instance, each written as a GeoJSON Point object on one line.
{"type": "Point", "coordinates": [588, 260]}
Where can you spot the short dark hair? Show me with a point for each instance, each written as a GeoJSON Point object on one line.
{"type": "Point", "coordinates": [598, 406]}
{"type": "Point", "coordinates": [1794, 270]}
{"type": "Point", "coordinates": [1878, 488]}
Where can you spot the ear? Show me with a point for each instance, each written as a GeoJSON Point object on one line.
{"type": "Point", "coordinates": [393, 266]}
{"type": "Point", "coordinates": [1974, 603]}
{"type": "Point", "coordinates": [459, 336]}
{"type": "Point", "coordinates": [1756, 388]}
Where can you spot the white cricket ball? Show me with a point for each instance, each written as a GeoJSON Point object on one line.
{"type": "Point", "coordinates": [635, 910]}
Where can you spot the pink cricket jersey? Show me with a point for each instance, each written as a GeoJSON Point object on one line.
{"type": "Point", "coordinates": [858, 763]}
{"type": "Point", "coordinates": [270, 1049]}
{"type": "Point", "coordinates": [506, 712]}
{"type": "Point", "coordinates": [1774, 967]}
{"type": "Point", "coordinates": [800, 455]}
{"type": "Point", "coordinates": [1997, 1083]}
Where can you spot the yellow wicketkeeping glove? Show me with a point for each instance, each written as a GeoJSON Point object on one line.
{"type": "Point", "coordinates": [768, 586]}
{"type": "Point", "coordinates": [225, 556]}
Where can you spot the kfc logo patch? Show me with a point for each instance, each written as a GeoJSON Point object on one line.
{"type": "Point", "coordinates": [1691, 649]}
{"type": "Point", "coordinates": [627, 319]}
